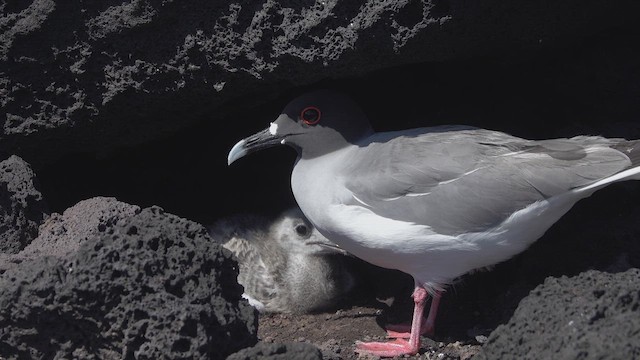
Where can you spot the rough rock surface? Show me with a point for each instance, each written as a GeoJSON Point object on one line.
{"type": "Point", "coordinates": [101, 75]}
{"type": "Point", "coordinates": [22, 208]}
{"type": "Point", "coordinates": [594, 315]}
{"type": "Point", "coordinates": [80, 81]}
{"type": "Point", "coordinates": [151, 286]}
{"type": "Point", "coordinates": [283, 351]}
{"type": "Point", "coordinates": [62, 235]}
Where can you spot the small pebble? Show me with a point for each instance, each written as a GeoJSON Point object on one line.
{"type": "Point", "coordinates": [481, 339]}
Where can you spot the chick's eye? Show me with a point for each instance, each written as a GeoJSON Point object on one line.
{"type": "Point", "coordinates": [310, 115]}
{"type": "Point", "coordinates": [302, 229]}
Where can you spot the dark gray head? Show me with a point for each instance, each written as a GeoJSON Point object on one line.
{"type": "Point", "coordinates": [314, 124]}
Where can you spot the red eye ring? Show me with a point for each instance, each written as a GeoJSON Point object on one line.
{"type": "Point", "coordinates": [310, 115]}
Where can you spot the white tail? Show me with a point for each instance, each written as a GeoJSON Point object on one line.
{"type": "Point", "coordinates": [629, 174]}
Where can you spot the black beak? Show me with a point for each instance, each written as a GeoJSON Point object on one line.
{"type": "Point", "coordinates": [253, 143]}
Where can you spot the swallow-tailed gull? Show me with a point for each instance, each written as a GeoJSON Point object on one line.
{"type": "Point", "coordinates": [434, 202]}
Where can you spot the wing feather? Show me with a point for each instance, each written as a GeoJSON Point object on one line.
{"type": "Point", "coordinates": [472, 179]}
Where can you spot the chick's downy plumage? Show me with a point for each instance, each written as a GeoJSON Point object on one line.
{"type": "Point", "coordinates": [285, 265]}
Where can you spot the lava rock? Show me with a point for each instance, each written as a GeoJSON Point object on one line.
{"type": "Point", "coordinates": [98, 76]}
{"type": "Point", "coordinates": [278, 351]}
{"type": "Point", "coordinates": [595, 315]}
{"type": "Point", "coordinates": [22, 207]}
{"type": "Point", "coordinates": [150, 286]}
{"type": "Point", "coordinates": [61, 235]}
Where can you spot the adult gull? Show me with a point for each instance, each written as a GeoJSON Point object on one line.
{"type": "Point", "coordinates": [433, 202]}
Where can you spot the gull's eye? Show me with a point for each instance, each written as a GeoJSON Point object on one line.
{"type": "Point", "coordinates": [302, 229]}
{"type": "Point", "coordinates": [310, 115]}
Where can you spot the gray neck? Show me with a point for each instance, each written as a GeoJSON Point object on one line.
{"type": "Point", "coordinates": [331, 143]}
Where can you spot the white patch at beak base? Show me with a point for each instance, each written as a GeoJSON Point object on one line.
{"type": "Point", "coordinates": [273, 129]}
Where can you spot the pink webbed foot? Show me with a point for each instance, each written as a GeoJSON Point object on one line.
{"type": "Point", "coordinates": [427, 326]}
{"type": "Point", "coordinates": [395, 347]}
{"type": "Point", "coordinates": [403, 331]}
{"type": "Point", "coordinates": [400, 346]}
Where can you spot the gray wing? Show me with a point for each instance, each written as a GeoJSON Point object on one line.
{"type": "Point", "coordinates": [459, 179]}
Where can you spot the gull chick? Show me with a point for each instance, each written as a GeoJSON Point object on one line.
{"type": "Point", "coordinates": [285, 266]}
{"type": "Point", "coordinates": [433, 202]}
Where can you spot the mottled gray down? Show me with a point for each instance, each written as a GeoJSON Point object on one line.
{"type": "Point", "coordinates": [286, 265]}
{"type": "Point", "coordinates": [151, 286]}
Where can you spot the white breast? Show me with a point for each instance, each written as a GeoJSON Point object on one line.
{"type": "Point", "coordinates": [431, 258]}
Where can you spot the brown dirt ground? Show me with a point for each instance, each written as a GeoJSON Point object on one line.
{"type": "Point", "coordinates": [336, 333]}
{"type": "Point", "coordinates": [361, 318]}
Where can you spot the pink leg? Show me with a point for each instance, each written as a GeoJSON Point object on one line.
{"type": "Point", "coordinates": [428, 324]}
{"type": "Point", "coordinates": [400, 346]}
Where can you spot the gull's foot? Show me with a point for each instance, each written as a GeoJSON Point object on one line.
{"type": "Point", "coordinates": [403, 331]}
{"type": "Point", "coordinates": [392, 348]}
{"type": "Point", "coordinates": [398, 331]}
